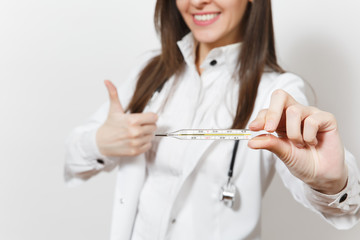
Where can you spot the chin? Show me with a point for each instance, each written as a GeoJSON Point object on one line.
{"type": "Point", "coordinates": [206, 37]}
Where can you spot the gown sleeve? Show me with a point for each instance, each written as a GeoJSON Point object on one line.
{"type": "Point", "coordinates": [342, 209]}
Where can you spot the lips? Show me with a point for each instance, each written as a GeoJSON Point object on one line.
{"type": "Point", "coordinates": [204, 19]}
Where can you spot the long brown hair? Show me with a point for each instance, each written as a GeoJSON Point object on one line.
{"type": "Point", "coordinates": [257, 52]}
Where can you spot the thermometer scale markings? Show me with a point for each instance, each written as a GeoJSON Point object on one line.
{"type": "Point", "coordinates": [213, 134]}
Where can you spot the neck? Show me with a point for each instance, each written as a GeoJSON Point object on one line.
{"type": "Point", "coordinates": [201, 52]}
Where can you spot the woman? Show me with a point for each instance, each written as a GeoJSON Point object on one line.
{"type": "Point", "coordinates": [217, 69]}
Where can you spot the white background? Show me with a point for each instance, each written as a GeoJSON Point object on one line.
{"type": "Point", "coordinates": [54, 56]}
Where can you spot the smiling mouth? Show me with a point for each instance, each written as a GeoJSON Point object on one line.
{"type": "Point", "coordinates": [205, 17]}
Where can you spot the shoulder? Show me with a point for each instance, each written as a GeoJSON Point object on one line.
{"type": "Point", "coordinates": [146, 57]}
{"type": "Point", "coordinates": [138, 63]}
{"type": "Point", "coordinates": [126, 86]}
{"type": "Point", "coordinates": [142, 60]}
{"type": "Point", "coordinates": [289, 82]}
{"type": "Point", "coordinates": [281, 80]}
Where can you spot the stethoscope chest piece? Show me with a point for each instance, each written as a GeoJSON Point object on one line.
{"type": "Point", "coordinates": [227, 194]}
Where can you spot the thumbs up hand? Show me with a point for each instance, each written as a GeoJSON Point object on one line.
{"type": "Point", "coordinates": [124, 134]}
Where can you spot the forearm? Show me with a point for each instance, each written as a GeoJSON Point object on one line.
{"type": "Point", "coordinates": [83, 159]}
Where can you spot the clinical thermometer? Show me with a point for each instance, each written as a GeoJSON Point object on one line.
{"type": "Point", "coordinates": [214, 134]}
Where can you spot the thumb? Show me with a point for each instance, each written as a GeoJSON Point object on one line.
{"type": "Point", "coordinates": [115, 105]}
{"type": "Point", "coordinates": [276, 145]}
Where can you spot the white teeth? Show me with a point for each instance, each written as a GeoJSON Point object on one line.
{"type": "Point", "coordinates": [205, 17]}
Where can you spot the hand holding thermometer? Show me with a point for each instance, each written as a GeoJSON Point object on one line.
{"type": "Point", "coordinates": [214, 134]}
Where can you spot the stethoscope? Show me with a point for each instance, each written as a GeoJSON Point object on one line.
{"type": "Point", "coordinates": [228, 190]}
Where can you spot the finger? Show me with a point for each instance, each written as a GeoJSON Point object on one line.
{"type": "Point", "coordinates": [140, 150]}
{"type": "Point", "coordinates": [280, 100]}
{"type": "Point", "coordinates": [139, 142]}
{"type": "Point", "coordinates": [315, 123]}
{"type": "Point", "coordinates": [149, 129]}
{"type": "Point", "coordinates": [295, 114]}
{"type": "Point", "coordinates": [259, 121]}
{"type": "Point", "coordinates": [115, 105]}
{"type": "Point", "coordinates": [276, 145]}
{"type": "Point", "coordinates": [142, 118]}
{"type": "Point", "coordinates": [139, 131]}
{"type": "Point", "coordinates": [311, 128]}
{"type": "Point", "coordinates": [146, 147]}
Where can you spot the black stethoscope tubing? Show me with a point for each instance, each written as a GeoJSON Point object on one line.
{"type": "Point", "coordinates": [232, 163]}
